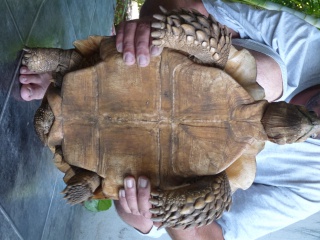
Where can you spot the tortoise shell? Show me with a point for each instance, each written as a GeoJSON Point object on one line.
{"type": "Point", "coordinates": [193, 126]}
{"type": "Point", "coordinates": [173, 119]}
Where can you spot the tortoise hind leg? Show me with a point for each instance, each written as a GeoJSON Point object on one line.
{"type": "Point", "coordinates": [81, 186]}
{"type": "Point", "coordinates": [43, 120]}
{"type": "Point", "coordinates": [203, 38]}
{"type": "Point", "coordinates": [195, 205]}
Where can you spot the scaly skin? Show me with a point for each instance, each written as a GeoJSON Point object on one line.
{"type": "Point", "coordinates": [195, 205]}
{"type": "Point", "coordinates": [204, 39]}
{"type": "Point", "coordinates": [43, 120]}
{"type": "Point", "coordinates": [81, 186]}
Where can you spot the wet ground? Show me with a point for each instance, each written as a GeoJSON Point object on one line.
{"type": "Point", "coordinates": [31, 206]}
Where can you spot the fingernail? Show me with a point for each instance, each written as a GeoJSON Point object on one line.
{"type": "Point", "coordinates": [155, 51]}
{"type": "Point", "coordinates": [129, 183]}
{"type": "Point", "coordinates": [120, 47]}
{"type": "Point", "coordinates": [128, 58]}
{"type": "Point", "coordinates": [23, 79]}
{"type": "Point", "coordinates": [23, 70]}
{"type": "Point", "coordinates": [142, 61]}
{"type": "Point", "coordinates": [122, 193]}
{"type": "Point", "coordinates": [143, 182]}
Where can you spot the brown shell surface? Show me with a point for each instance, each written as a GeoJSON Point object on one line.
{"type": "Point", "coordinates": [171, 120]}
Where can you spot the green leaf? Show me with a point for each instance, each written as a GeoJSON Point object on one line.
{"type": "Point", "coordinates": [104, 205]}
{"type": "Point", "coordinates": [98, 205]}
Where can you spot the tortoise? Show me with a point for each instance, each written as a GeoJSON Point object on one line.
{"type": "Point", "coordinates": [192, 121]}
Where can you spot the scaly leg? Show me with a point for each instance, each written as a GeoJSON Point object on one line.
{"type": "Point", "coordinates": [54, 60]}
{"type": "Point", "coordinates": [198, 204]}
{"type": "Point", "coordinates": [42, 60]}
{"type": "Point", "coordinates": [202, 38]}
{"type": "Point", "coordinates": [43, 120]}
{"type": "Point", "coordinates": [81, 186]}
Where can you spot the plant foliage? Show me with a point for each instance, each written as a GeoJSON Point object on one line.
{"type": "Point", "coordinates": [120, 13]}
{"type": "Point", "coordinates": [98, 205]}
{"type": "Point", "coordinates": [309, 7]}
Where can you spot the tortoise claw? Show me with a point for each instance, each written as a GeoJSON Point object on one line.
{"type": "Point", "coordinates": [157, 42]}
{"type": "Point", "coordinates": [163, 10]}
{"type": "Point", "coordinates": [160, 17]}
{"type": "Point", "coordinates": [158, 34]}
{"type": "Point", "coordinates": [157, 193]}
{"type": "Point", "coordinates": [157, 211]}
{"type": "Point", "coordinates": [77, 193]}
{"type": "Point", "coordinates": [156, 202]}
{"type": "Point", "coordinates": [157, 219]}
{"type": "Point", "coordinates": [28, 50]}
{"type": "Point", "coordinates": [158, 25]}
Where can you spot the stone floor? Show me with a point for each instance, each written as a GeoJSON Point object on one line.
{"type": "Point", "coordinates": [31, 207]}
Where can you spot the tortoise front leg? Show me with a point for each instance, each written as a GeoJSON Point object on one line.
{"type": "Point", "coordinates": [81, 186]}
{"type": "Point", "coordinates": [41, 60]}
{"type": "Point", "coordinates": [202, 38]}
{"type": "Point", "coordinates": [53, 60]}
{"type": "Point", "coordinates": [195, 205]}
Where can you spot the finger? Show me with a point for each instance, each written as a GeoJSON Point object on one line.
{"type": "Point", "coordinates": [157, 224]}
{"type": "Point", "coordinates": [30, 78]}
{"type": "Point", "coordinates": [25, 70]}
{"type": "Point", "coordinates": [143, 197]}
{"type": "Point", "coordinates": [155, 51]}
{"type": "Point", "coordinates": [128, 42]}
{"type": "Point", "coordinates": [142, 43]}
{"type": "Point", "coordinates": [123, 201]}
{"type": "Point", "coordinates": [30, 92]}
{"type": "Point", "coordinates": [131, 195]}
{"type": "Point", "coordinates": [119, 37]}
{"type": "Point", "coordinates": [33, 86]}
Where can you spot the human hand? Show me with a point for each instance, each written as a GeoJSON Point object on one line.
{"type": "Point", "coordinates": [133, 205]}
{"type": "Point", "coordinates": [134, 41]}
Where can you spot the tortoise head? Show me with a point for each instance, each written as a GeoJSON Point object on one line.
{"type": "Point", "coordinates": [289, 123]}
